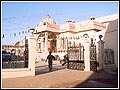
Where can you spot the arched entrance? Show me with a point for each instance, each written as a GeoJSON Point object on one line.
{"type": "Point", "coordinates": [52, 45]}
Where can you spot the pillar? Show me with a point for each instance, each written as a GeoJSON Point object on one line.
{"type": "Point", "coordinates": [101, 54]}
{"type": "Point", "coordinates": [86, 45]}
{"type": "Point", "coordinates": [46, 41]}
{"type": "Point", "coordinates": [58, 43]}
{"type": "Point", "coordinates": [66, 44]}
{"type": "Point", "coordinates": [42, 44]}
{"type": "Point", "coordinates": [32, 55]}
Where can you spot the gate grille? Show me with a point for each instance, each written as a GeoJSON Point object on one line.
{"type": "Point", "coordinates": [26, 53]}
{"type": "Point", "coordinates": [76, 57]}
{"type": "Point", "coordinates": [93, 61]}
{"type": "Point", "coordinates": [13, 60]}
{"type": "Point", "coordinates": [108, 56]}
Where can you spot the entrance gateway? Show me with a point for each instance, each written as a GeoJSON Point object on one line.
{"type": "Point", "coordinates": [76, 57]}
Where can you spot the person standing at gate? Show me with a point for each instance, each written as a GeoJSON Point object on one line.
{"type": "Point", "coordinates": [50, 59]}
{"type": "Point", "coordinates": [66, 59]}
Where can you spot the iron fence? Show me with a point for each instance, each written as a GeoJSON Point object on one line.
{"type": "Point", "coordinates": [108, 56]}
{"type": "Point", "coordinates": [93, 58]}
{"type": "Point", "coordinates": [13, 64]}
{"type": "Point", "coordinates": [16, 61]}
{"type": "Point", "coordinates": [76, 57]}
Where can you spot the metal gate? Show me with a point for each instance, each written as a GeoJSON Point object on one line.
{"type": "Point", "coordinates": [26, 53]}
{"type": "Point", "coordinates": [76, 57]}
{"type": "Point", "coordinates": [93, 54]}
{"type": "Point", "coordinates": [13, 60]}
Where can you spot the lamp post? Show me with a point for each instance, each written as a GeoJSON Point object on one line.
{"type": "Point", "coordinates": [100, 36]}
{"type": "Point", "coordinates": [32, 30]}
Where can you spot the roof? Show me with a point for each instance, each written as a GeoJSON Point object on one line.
{"type": "Point", "coordinates": [48, 24]}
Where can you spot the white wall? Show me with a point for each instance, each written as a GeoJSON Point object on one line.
{"type": "Point", "coordinates": [111, 38]}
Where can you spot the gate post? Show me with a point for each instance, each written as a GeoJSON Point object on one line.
{"type": "Point", "coordinates": [100, 52]}
{"type": "Point", "coordinates": [86, 45]}
{"type": "Point", "coordinates": [32, 53]}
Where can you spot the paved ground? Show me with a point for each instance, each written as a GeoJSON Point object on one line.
{"type": "Point", "coordinates": [61, 77]}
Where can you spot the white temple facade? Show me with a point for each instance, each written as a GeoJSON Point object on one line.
{"type": "Point", "coordinates": [57, 38]}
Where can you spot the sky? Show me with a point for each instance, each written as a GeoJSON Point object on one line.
{"type": "Point", "coordinates": [19, 16]}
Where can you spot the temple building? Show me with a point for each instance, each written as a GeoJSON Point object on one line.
{"type": "Point", "coordinates": [57, 38]}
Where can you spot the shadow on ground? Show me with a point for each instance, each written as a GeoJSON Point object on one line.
{"type": "Point", "coordinates": [44, 69]}
{"type": "Point", "coordinates": [101, 79]}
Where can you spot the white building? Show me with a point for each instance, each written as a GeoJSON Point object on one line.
{"type": "Point", "coordinates": [56, 38]}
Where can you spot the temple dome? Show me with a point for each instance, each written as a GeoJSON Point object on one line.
{"type": "Point", "coordinates": [49, 20]}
